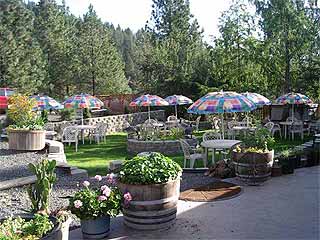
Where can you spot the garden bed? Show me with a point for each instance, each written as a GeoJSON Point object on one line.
{"type": "Point", "coordinates": [166, 147]}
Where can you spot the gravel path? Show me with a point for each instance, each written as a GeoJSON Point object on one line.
{"type": "Point", "coordinates": [14, 164]}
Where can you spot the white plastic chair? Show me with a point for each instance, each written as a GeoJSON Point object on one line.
{"type": "Point", "coordinates": [273, 127]}
{"type": "Point", "coordinates": [172, 118]}
{"type": "Point", "coordinates": [196, 123]}
{"type": "Point", "coordinates": [189, 154]}
{"type": "Point", "coordinates": [70, 135]}
{"type": "Point", "coordinates": [297, 127]}
{"type": "Point", "coordinates": [99, 133]}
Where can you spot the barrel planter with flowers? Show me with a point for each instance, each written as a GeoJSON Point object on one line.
{"type": "Point", "coordinates": [153, 182]}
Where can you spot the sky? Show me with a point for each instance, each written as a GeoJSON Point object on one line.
{"type": "Point", "coordinates": [135, 13]}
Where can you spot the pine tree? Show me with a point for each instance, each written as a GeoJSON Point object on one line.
{"type": "Point", "coordinates": [101, 65]}
{"type": "Point", "coordinates": [21, 62]}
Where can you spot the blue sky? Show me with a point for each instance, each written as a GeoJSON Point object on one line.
{"type": "Point", "coordinates": [135, 13]}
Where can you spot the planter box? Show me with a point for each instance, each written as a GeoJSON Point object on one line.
{"type": "Point", "coordinates": [153, 206]}
{"type": "Point", "coordinates": [27, 140]}
{"type": "Point", "coordinates": [252, 167]}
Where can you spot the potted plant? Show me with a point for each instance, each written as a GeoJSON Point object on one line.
{"type": "Point", "coordinates": [153, 181]}
{"type": "Point", "coordinates": [38, 224]}
{"type": "Point", "coordinates": [94, 206]}
{"type": "Point", "coordinates": [276, 169]}
{"type": "Point", "coordinates": [254, 159]}
{"type": "Point", "coordinates": [26, 132]}
{"type": "Point", "coordinates": [286, 158]}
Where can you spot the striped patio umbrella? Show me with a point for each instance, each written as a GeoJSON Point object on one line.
{"type": "Point", "coordinates": [82, 101]}
{"type": "Point", "coordinates": [257, 98]}
{"type": "Point", "coordinates": [221, 102]}
{"type": "Point", "coordinates": [293, 98]}
{"type": "Point", "coordinates": [176, 100]}
{"type": "Point", "coordinates": [46, 103]}
{"type": "Point", "coordinates": [148, 101]}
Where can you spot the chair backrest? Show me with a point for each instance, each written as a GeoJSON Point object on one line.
{"type": "Point", "coordinates": [291, 119]}
{"type": "Point", "coordinates": [231, 124]}
{"type": "Point", "coordinates": [172, 118]}
{"type": "Point", "coordinates": [216, 122]}
{"type": "Point", "coordinates": [211, 136]}
{"type": "Point", "coordinates": [70, 134]}
{"type": "Point", "coordinates": [185, 148]}
{"type": "Point", "coordinates": [101, 128]}
{"type": "Point", "coordinates": [151, 121]}
{"type": "Point", "coordinates": [247, 120]}
{"type": "Point", "coordinates": [269, 126]}
{"type": "Point", "coordinates": [297, 126]}
{"type": "Point", "coordinates": [49, 126]}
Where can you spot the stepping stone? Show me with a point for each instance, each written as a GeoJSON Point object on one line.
{"type": "Point", "coordinates": [79, 173]}
{"type": "Point", "coordinates": [18, 182]}
{"type": "Point", "coordinates": [115, 164]}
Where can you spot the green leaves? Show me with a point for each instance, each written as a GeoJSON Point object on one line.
{"type": "Point", "coordinates": [154, 168]}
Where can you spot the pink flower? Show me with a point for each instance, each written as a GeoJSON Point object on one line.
{"type": "Point", "coordinates": [86, 183]}
{"type": "Point", "coordinates": [111, 179]}
{"type": "Point", "coordinates": [98, 177]}
{"type": "Point", "coordinates": [127, 197]}
{"type": "Point", "coordinates": [106, 191]}
{"type": "Point", "coordinates": [103, 187]}
{"type": "Point", "coordinates": [102, 198]}
{"type": "Point", "coordinates": [77, 204]}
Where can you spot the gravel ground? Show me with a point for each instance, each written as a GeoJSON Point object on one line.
{"type": "Point", "coordinates": [15, 163]}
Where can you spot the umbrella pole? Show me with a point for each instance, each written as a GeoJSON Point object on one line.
{"type": "Point", "coordinates": [292, 112]}
{"type": "Point", "coordinates": [82, 116]}
{"type": "Point", "coordinates": [149, 113]}
{"type": "Point", "coordinates": [175, 106]}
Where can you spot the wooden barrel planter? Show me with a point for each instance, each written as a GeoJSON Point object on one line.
{"type": "Point", "coordinates": [27, 140]}
{"type": "Point", "coordinates": [253, 168]}
{"type": "Point", "coordinates": [153, 206]}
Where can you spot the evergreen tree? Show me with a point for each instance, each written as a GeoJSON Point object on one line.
{"type": "Point", "coordinates": [100, 64]}
{"type": "Point", "coordinates": [21, 62]}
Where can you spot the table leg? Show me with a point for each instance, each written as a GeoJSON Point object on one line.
{"type": "Point", "coordinates": [213, 155]}
{"type": "Point", "coordinates": [205, 156]}
{"type": "Point", "coordinates": [285, 131]}
{"type": "Point", "coordinates": [82, 134]}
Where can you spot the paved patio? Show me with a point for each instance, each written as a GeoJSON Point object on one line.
{"type": "Point", "coordinates": [285, 207]}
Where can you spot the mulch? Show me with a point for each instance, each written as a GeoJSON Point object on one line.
{"type": "Point", "coordinates": [214, 191]}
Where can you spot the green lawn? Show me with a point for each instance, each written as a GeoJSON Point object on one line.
{"type": "Point", "coordinates": [95, 157]}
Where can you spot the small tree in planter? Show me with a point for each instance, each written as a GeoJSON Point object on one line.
{"type": "Point", "coordinates": [26, 132]}
{"type": "Point", "coordinates": [95, 206]}
{"type": "Point", "coordinates": [287, 160]}
{"type": "Point", "coordinates": [253, 161]}
{"type": "Point", "coordinates": [154, 184]}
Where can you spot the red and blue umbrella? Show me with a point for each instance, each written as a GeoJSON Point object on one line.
{"type": "Point", "coordinates": [257, 98]}
{"type": "Point", "coordinates": [175, 100]}
{"type": "Point", "coordinates": [222, 102]}
{"type": "Point", "coordinates": [148, 101]}
{"type": "Point", "coordinates": [293, 98]}
{"type": "Point", "coordinates": [46, 103]}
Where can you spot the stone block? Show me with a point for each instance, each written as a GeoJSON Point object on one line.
{"type": "Point", "coordinates": [115, 164]}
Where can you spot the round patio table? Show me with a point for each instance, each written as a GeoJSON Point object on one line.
{"type": "Point", "coordinates": [217, 144]}
{"type": "Point", "coordinates": [285, 126]}
{"type": "Point", "coordinates": [82, 128]}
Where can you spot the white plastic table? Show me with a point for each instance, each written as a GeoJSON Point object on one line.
{"type": "Point", "coordinates": [217, 144]}
{"type": "Point", "coordinates": [82, 128]}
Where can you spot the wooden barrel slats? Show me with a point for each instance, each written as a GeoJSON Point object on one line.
{"type": "Point", "coordinates": [253, 167]}
{"type": "Point", "coordinates": [27, 140]}
{"type": "Point", "coordinates": [153, 206]}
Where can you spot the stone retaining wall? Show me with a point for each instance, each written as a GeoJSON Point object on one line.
{"type": "Point", "coordinates": [166, 147]}
{"type": "Point", "coordinates": [116, 123]}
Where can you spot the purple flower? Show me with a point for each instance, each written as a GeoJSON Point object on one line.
{"type": "Point", "coordinates": [77, 204]}
{"type": "Point", "coordinates": [98, 177]}
{"type": "Point", "coordinates": [102, 198]}
{"type": "Point", "coordinates": [86, 183]}
{"type": "Point", "coordinates": [111, 178]}
{"type": "Point", "coordinates": [127, 197]}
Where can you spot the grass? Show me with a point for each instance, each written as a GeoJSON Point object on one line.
{"type": "Point", "coordinates": [95, 158]}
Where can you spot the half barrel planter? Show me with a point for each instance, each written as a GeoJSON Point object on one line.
{"type": "Point", "coordinates": [153, 206]}
{"type": "Point", "coordinates": [253, 168]}
{"type": "Point", "coordinates": [26, 140]}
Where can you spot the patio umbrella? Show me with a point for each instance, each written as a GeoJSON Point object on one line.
{"type": "Point", "coordinates": [82, 101]}
{"type": "Point", "coordinates": [257, 98]}
{"type": "Point", "coordinates": [46, 103]}
{"type": "Point", "coordinates": [293, 98]}
{"type": "Point", "coordinates": [221, 102]}
{"type": "Point", "coordinates": [176, 100]}
{"type": "Point", "coordinates": [148, 101]}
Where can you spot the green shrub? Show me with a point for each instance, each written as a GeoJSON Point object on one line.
{"type": "Point", "coordinates": [260, 140]}
{"type": "Point", "coordinates": [155, 168]}
{"type": "Point", "coordinates": [86, 113]}
{"type": "Point", "coordinates": [67, 114]}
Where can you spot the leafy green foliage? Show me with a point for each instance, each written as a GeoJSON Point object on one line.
{"type": "Point", "coordinates": [92, 207]}
{"type": "Point", "coordinates": [39, 192]}
{"type": "Point", "coordinates": [18, 228]}
{"type": "Point", "coordinates": [67, 114]}
{"type": "Point", "coordinates": [260, 140]}
{"type": "Point", "coordinates": [151, 169]}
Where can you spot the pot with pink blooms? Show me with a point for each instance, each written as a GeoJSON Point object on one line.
{"type": "Point", "coordinates": [95, 205]}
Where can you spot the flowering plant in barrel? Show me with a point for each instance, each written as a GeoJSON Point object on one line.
{"type": "Point", "coordinates": [94, 205]}
{"type": "Point", "coordinates": [153, 181]}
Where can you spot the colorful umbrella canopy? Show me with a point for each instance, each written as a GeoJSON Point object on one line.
{"type": "Point", "coordinates": [148, 101]}
{"type": "Point", "coordinates": [257, 98]}
{"type": "Point", "coordinates": [293, 98]}
{"type": "Point", "coordinates": [46, 103]}
{"type": "Point", "coordinates": [175, 100]}
{"type": "Point", "coordinates": [83, 101]}
{"type": "Point", "coordinates": [221, 102]}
